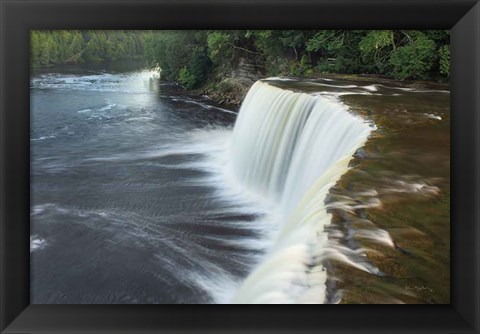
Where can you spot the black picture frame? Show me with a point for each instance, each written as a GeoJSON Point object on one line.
{"type": "Point", "coordinates": [19, 16]}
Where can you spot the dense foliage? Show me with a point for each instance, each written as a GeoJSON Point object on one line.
{"type": "Point", "coordinates": [195, 58]}
{"type": "Point", "coordinates": [189, 57]}
{"type": "Point", "coordinates": [50, 47]}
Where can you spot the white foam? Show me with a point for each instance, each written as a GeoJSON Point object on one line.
{"type": "Point", "coordinates": [204, 105]}
{"type": "Point", "coordinates": [107, 107]}
{"type": "Point", "coordinates": [279, 79]}
{"type": "Point", "coordinates": [377, 235]}
{"type": "Point", "coordinates": [43, 138]}
{"type": "Point", "coordinates": [372, 88]}
{"type": "Point", "coordinates": [133, 83]}
{"type": "Point", "coordinates": [141, 119]}
{"type": "Point", "coordinates": [37, 243]}
{"type": "Point", "coordinates": [433, 116]}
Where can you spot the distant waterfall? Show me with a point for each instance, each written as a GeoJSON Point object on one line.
{"type": "Point", "coordinates": [290, 148]}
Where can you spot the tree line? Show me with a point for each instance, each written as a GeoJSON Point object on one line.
{"type": "Point", "coordinates": [56, 47]}
{"type": "Point", "coordinates": [195, 58]}
{"type": "Point", "coordinates": [192, 56]}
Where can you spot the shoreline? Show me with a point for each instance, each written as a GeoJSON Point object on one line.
{"type": "Point", "coordinates": [231, 91]}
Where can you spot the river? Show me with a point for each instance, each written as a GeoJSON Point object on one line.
{"type": "Point", "coordinates": [132, 200]}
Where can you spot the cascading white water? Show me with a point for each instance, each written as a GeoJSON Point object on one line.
{"type": "Point", "coordinates": [290, 148]}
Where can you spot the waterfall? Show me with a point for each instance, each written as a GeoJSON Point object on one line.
{"type": "Point", "coordinates": [290, 148]}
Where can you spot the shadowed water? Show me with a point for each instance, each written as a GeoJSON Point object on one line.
{"type": "Point", "coordinates": [126, 205]}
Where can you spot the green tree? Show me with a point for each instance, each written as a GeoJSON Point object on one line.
{"type": "Point", "coordinates": [72, 46]}
{"type": "Point", "coordinates": [220, 50]}
{"type": "Point", "coordinates": [377, 47]}
{"type": "Point", "coordinates": [415, 60]}
{"type": "Point", "coordinates": [445, 60]}
{"type": "Point", "coordinates": [186, 78]}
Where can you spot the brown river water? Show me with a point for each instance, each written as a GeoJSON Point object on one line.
{"type": "Point", "coordinates": [399, 183]}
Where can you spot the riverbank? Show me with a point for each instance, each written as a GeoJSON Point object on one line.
{"type": "Point", "coordinates": [232, 90]}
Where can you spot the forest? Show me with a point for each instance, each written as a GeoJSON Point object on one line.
{"type": "Point", "coordinates": [58, 47]}
{"type": "Point", "coordinates": [197, 58]}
